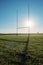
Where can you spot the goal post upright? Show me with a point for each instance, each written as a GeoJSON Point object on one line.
{"type": "Point", "coordinates": [17, 22]}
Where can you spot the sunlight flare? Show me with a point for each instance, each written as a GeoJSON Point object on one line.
{"type": "Point", "coordinates": [29, 23]}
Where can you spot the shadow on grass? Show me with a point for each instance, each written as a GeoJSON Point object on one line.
{"type": "Point", "coordinates": [23, 56]}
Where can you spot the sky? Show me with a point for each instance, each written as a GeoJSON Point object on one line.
{"type": "Point", "coordinates": [21, 11]}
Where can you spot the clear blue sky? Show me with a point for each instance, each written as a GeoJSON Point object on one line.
{"type": "Point", "coordinates": [8, 14]}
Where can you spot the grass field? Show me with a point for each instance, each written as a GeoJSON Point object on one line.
{"type": "Point", "coordinates": [8, 48]}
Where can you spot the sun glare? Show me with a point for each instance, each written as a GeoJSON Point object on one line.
{"type": "Point", "coordinates": [29, 23]}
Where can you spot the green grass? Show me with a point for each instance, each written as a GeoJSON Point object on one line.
{"type": "Point", "coordinates": [35, 47]}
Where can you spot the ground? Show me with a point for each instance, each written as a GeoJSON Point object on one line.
{"type": "Point", "coordinates": [9, 49]}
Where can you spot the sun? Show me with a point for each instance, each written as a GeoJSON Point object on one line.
{"type": "Point", "coordinates": [29, 23]}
